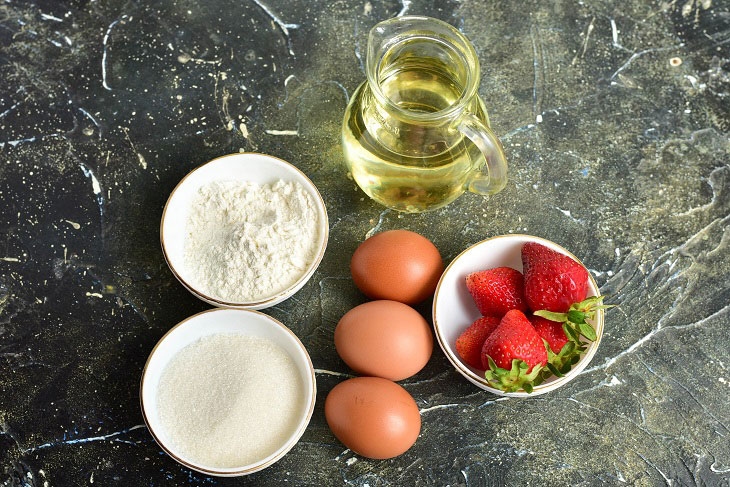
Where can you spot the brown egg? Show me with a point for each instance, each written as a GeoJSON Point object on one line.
{"type": "Point", "coordinates": [385, 339]}
{"type": "Point", "coordinates": [399, 265]}
{"type": "Point", "coordinates": [373, 417]}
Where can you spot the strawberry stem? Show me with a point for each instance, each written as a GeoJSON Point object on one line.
{"type": "Point", "coordinates": [575, 325]}
{"type": "Point", "coordinates": [514, 379]}
{"type": "Point", "coordinates": [560, 364]}
{"type": "Point", "coordinates": [575, 321]}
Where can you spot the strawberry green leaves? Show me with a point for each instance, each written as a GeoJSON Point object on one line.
{"type": "Point", "coordinates": [514, 379]}
{"type": "Point", "coordinates": [575, 321]}
{"type": "Point", "coordinates": [561, 363]}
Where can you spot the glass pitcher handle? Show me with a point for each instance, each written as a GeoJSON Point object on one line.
{"type": "Point", "coordinates": [491, 177]}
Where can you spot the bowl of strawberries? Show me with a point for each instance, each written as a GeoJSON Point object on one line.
{"type": "Point", "coordinates": [518, 315]}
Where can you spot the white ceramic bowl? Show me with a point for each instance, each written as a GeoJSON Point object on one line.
{"type": "Point", "coordinates": [248, 166]}
{"type": "Point", "coordinates": [454, 310]}
{"type": "Point", "coordinates": [212, 322]}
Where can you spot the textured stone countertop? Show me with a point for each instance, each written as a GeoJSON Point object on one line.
{"type": "Point", "coordinates": [615, 119]}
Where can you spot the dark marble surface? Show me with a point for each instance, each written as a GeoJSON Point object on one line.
{"type": "Point", "coordinates": [617, 152]}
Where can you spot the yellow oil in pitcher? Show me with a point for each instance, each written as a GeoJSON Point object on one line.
{"type": "Point", "coordinates": [409, 131]}
{"type": "Point", "coordinates": [401, 163]}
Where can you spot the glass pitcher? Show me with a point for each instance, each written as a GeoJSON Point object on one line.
{"type": "Point", "coordinates": [416, 134]}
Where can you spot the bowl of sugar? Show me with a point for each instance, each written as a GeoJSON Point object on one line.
{"type": "Point", "coordinates": [228, 392]}
{"type": "Point", "coordinates": [244, 231]}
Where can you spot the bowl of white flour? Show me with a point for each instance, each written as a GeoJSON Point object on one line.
{"type": "Point", "coordinates": [228, 392]}
{"type": "Point", "coordinates": [244, 231]}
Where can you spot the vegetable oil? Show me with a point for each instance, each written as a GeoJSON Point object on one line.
{"type": "Point", "coordinates": [400, 141]}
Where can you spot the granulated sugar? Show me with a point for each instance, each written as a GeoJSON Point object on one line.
{"type": "Point", "coordinates": [229, 400]}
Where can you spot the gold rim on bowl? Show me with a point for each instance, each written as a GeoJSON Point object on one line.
{"type": "Point", "coordinates": [544, 387]}
{"type": "Point", "coordinates": [255, 467]}
{"type": "Point", "coordinates": [263, 302]}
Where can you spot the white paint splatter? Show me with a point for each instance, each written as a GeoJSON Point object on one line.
{"type": "Point", "coordinates": [50, 17]}
{"type": "Point", "coordinates": [658, 329]}
{"type": "Point", "coordinates": [374, 229]}
{"type": "Point", "coordinates": [104, 54]}
{"type": "Point", "coordinates": [406, 5]}
{"type": "Point", "coordinates": [569, 215]}
{"type": "Point", "coordinates": [440, 406]}
{"type": "Point", "coordinates": [585, 42]}
{"type": "Point", "coordinates": [91, 117]}
{"type": "Point", "coordinates": [614, 32]}
{"type": "Point", "coordinates": [95, 186]}
{"type": "Point", "coordinates": [641, 53]}
{"type": "Point", "coordinates": [86, 440]}
{"type": "Point", "coordinates": [282, 132]}
{"type": "Point", "coordinates": [332, 372]}
{"type": "Point", "coordinates": [614, 37]}
{"type": "Point", "coordinates": [142, 160]}
{"type": "Point", "coordinates": [140, 157]}
{"type": "Point", "coordinates": [282, 25]}
{"type": "Point", "coordinates": [345, 452]}
{"type": "Point", "coordinates": [12, 107]}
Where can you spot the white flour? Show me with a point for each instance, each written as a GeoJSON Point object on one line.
{"type": "Point", "coordinates": [247, 242]}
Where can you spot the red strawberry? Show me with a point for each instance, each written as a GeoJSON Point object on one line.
{"type": "Point", "coordinates": [496, 291]}
{"type": "Point", "coordinates": [514, 354]}
{"type": "Point", "coordinates": [537, 252]}
{"type": "Point", "coordinates": [551, 331]}
{"type": "Point", "coordinates": [514, 338]}
{"type": "Point", "coordinates": [469, 344]}
{"type": "Point", "coordinates": [553, 281]}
